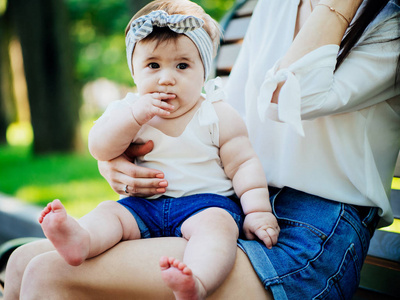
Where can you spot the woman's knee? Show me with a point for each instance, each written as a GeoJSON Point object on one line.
{"type": "Point", "coordinates": [21, 256]}
{"type": "Point", "coordinates": [41, 275]}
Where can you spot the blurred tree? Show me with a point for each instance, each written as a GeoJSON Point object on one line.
{"type": "Point", "coordinates": [7, 105]}
{"type": "Point", "coordinates": [98, 33]}
{"type": "Point", "coordinates": [97, 30]}
{"type": "Point", "coordinates": [136, 5]}
{"type": "Point", "coordinates": [42, 28]}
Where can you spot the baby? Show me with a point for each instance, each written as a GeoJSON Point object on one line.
{"type": "Point", "coordinates": [201, 145]}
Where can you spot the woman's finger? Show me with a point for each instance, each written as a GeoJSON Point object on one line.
{"type": "Point", "coordinates": [138, 172]}
{"type": "Point", "coordinates": [141, 192]}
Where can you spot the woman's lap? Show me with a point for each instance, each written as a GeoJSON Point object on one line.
{"type": "Point", "coordinates": [320, 251]}
{"type": "Point", "coordinates": [319, 254]}
{"type": "Point", "coordinates": [129, 270]}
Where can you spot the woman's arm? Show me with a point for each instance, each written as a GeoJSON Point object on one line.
{"type": "Point", "coordinates": [365, 78]}
{"type": "Point", "coordinates": [305, 85]}
{"type": "Point", "coordinates": [331, 28]}
{"type": "Point", "coordinates": [130, 270]}
{"type": "Point", "coordinates": [121, 172]}
{"type": "Point", "coordinates": [308, 39]}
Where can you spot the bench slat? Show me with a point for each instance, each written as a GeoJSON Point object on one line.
{"type": "Point", "coordinates": [395, 203]}
{"type": "Point", "coordinates": [236, 29]}
{"type": "Point", "coordinates": [386, 245]}
{"type": "Point", "coordinates": [397, 168]}
{"type": "Point", "coordinates": [226, 58]}
{"type": "Point", "coordinates": [246, 9]}
{"type": "Point", "coordinates": [380, 279]}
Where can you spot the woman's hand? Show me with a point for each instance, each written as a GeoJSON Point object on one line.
{"type": "Point", "coordinates": [122, 173]}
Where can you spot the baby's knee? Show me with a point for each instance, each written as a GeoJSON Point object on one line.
{"type": "Point", "coordinates": [213, 218]}
{"type": "Point", "coordinates": [108, 206]}
{"type": "Point", "coordinates": [217, 214]}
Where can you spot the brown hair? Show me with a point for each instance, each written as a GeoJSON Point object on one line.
{"type": "Point", "coordinates": [371, 9]}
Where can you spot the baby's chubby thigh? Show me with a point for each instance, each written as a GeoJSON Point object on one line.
{"type": "Point", "coordinates": [110, 222]}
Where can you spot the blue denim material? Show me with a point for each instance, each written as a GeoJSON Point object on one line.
{"type": "Point", "coordinates": [164, 216]}
{"type": "Point", "coordinates": [321, 247]}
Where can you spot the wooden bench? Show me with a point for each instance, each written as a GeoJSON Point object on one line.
{"type": "Point", "coordinates": [380, 276]}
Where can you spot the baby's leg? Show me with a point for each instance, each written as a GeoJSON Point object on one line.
{"type": "Point", "coordinates": [209, 256]}
{"type": "Point", "coordinates": [94, 233]}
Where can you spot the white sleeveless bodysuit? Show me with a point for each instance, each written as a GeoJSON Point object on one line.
{"type": "Point", "coordinates": [191, 161]}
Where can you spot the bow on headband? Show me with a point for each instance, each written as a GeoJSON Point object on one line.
{"type": "Point", "coordinates": [188, 25]}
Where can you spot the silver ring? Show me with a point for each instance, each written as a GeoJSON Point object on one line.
{"type": "Point", "coordinates": [126, 189]}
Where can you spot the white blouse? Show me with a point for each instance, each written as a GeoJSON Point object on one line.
{"type": "Point", "coordinates": [333, 134]}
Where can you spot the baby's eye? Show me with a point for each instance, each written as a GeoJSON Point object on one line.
{"type": "Point", "coordinates": [182, 66]}
{"type": "Point", "coordinates": [153, 65]}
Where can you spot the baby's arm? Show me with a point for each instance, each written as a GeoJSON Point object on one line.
{"type": "Point", "coordinates": [112, 134]}
{"type": "Point", "coordinates": [243, 167]}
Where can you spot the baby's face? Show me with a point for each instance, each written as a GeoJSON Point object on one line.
{"type": "Point", "coordinates": [172, 67]}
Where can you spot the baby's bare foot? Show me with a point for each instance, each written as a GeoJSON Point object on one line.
{"type": "Point", "coordinates": [68, 237]}
{"type": "Point", "coordinates": [180, 279]}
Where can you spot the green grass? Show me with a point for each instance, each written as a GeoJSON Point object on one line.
{"type": "Point", "coordinates": [72, 178]}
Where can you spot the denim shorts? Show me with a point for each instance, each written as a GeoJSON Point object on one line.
{"type": "Point", "coordinates": [321, 247]}
{"type": "Point", "coordinates": [164, 216]}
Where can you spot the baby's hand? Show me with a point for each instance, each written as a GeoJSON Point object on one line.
{"type": "Point", "coordinates": [150, 105]}
{"type": "Point", "coordinates": [262, 225]}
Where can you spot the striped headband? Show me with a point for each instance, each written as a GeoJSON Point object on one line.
{"type": "Point", "coordinates": [188, 25]}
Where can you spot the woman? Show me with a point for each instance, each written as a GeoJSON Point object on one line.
{"type": "Point", "coordinates": [327, 132]}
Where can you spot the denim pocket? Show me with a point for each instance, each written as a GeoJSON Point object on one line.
{"type": "Point", "coordinates": [337, 286]}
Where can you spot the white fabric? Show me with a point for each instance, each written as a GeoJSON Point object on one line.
{"type": "Point", "coordinates": [191, 161]}
{"type": "Point", "coordinates": [335, 135]}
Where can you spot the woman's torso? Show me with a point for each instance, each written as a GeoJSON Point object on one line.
{"type": "Point", "coordinates": [349, 149]}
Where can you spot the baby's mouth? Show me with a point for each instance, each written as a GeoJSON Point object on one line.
{"type": "Point", "coordinates": [171, 97]}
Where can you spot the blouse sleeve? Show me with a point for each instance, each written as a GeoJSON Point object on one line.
{"type": "Point", "coordinates": [312, 88]}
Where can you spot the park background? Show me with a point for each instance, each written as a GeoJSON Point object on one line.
{"type": "Point", "coordinates": [61, 63]}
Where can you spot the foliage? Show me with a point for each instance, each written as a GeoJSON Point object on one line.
{"type": "Point", "coordinates": [72, 178]}
{"type": "Point", "coordinates": [97, 29]}
{"type": "Point", "coordinates": [97, 32]}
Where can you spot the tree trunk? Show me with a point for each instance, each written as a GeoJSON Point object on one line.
{"type": "Point", "coordinates": [44, 35]}
{"type": "Point", "coordinates": [7, 104]}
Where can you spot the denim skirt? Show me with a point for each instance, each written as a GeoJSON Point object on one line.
{"type": "Point", "coordinates": [321, 247]}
